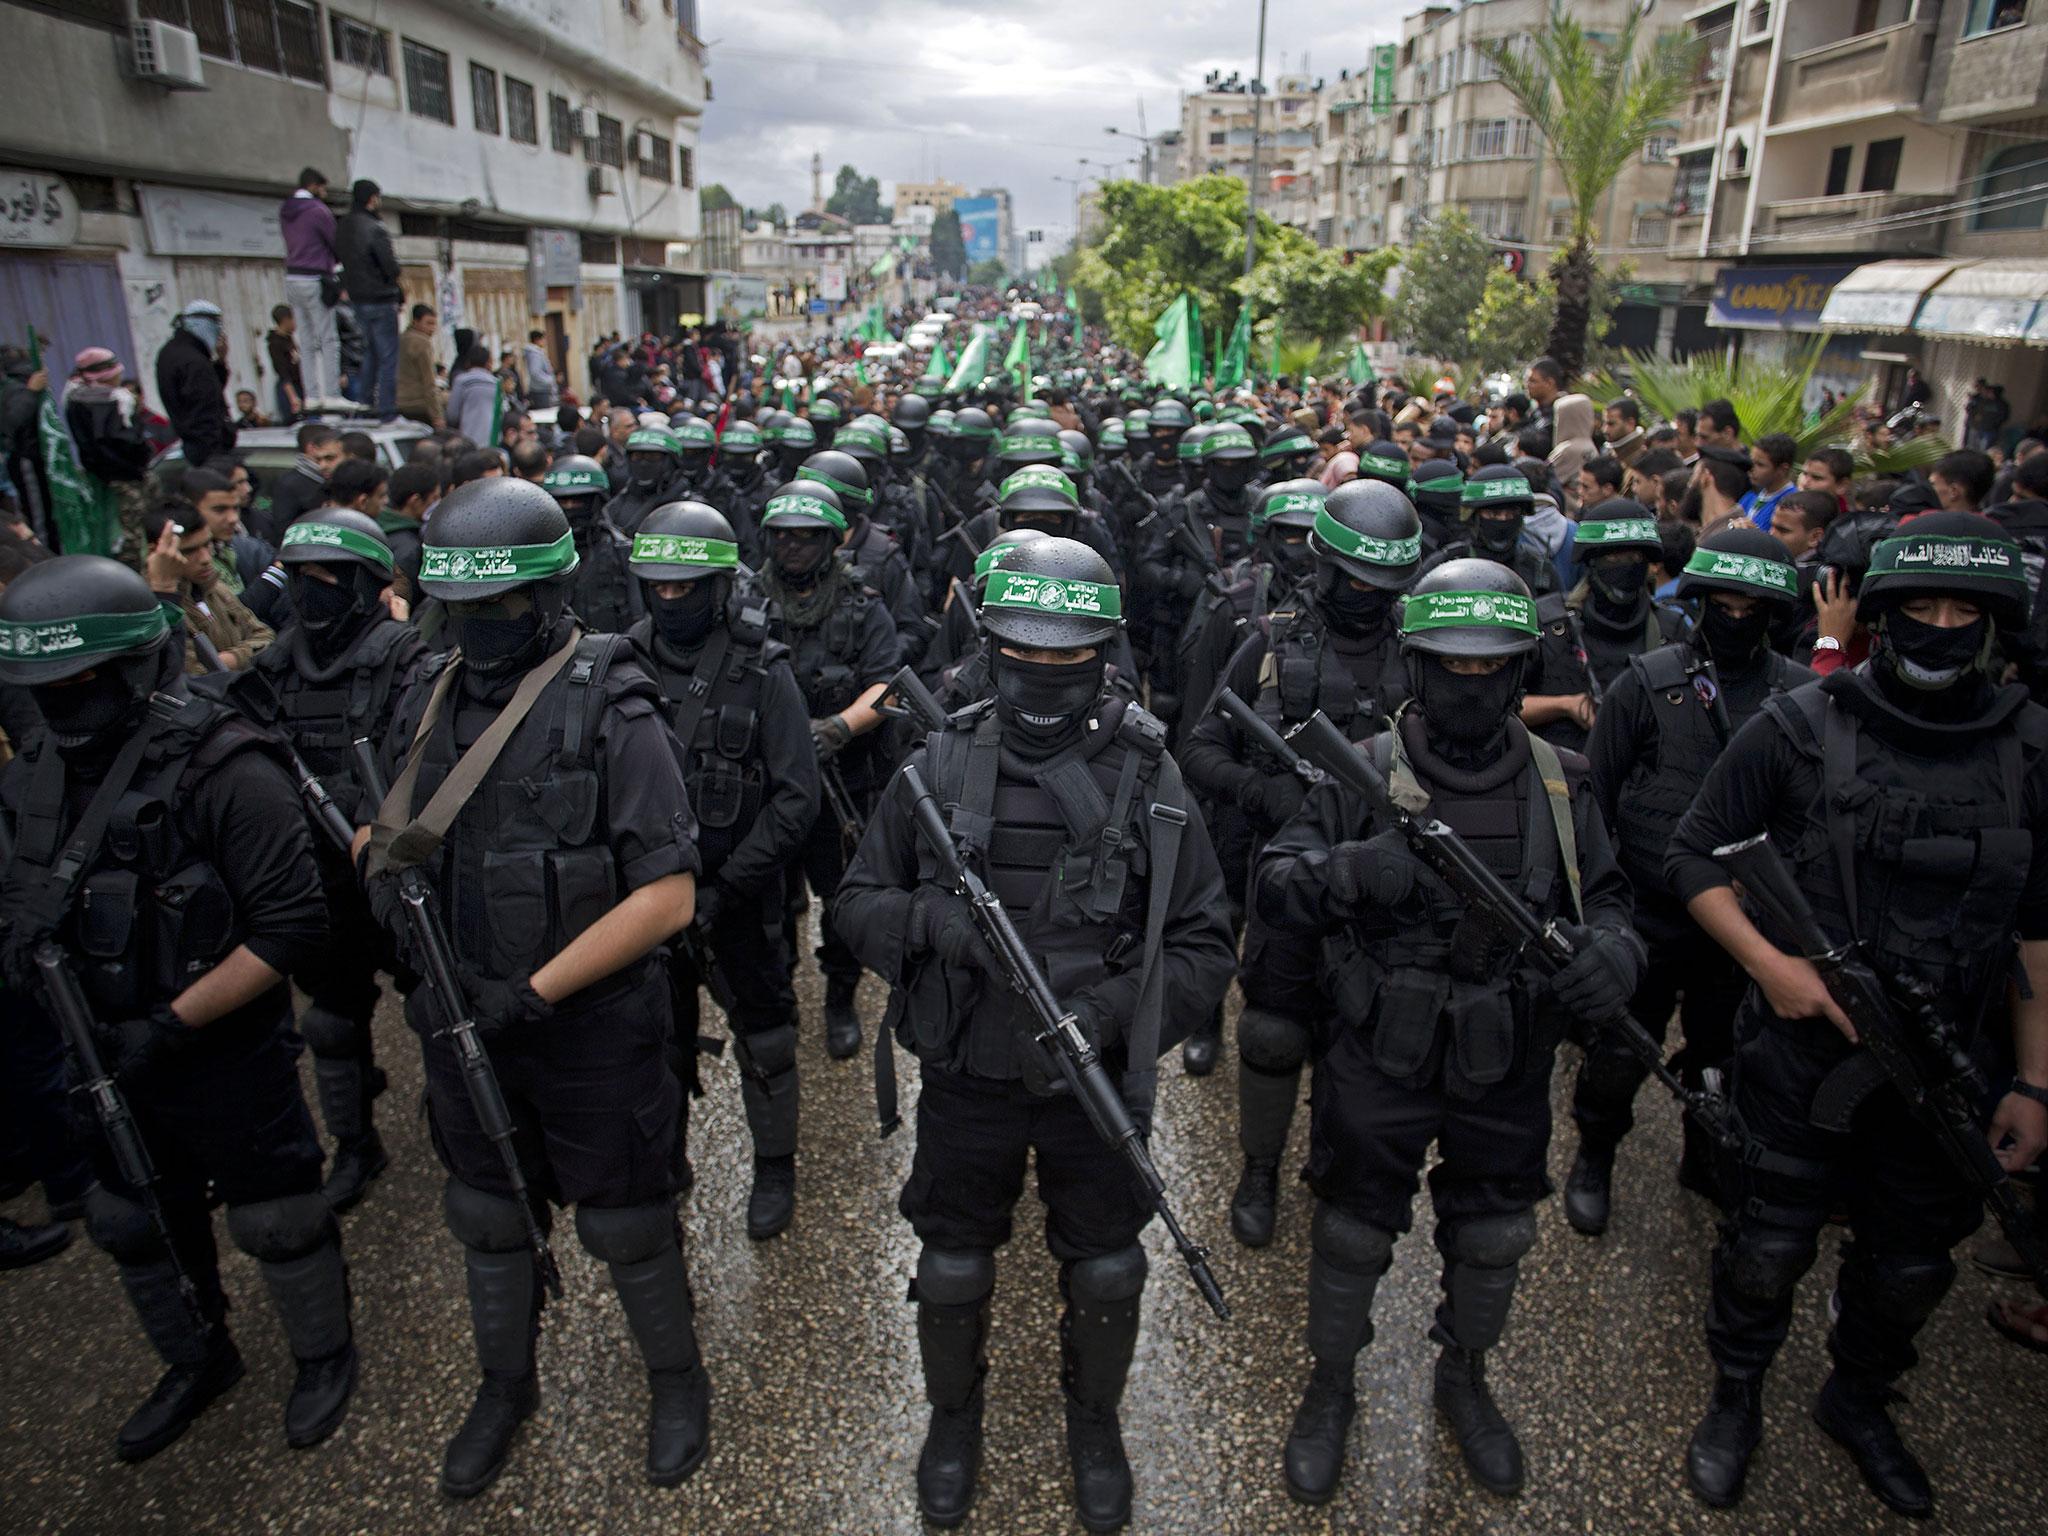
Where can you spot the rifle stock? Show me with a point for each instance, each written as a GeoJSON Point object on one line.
{"type": "Point", "coordinates": [1254, 725]}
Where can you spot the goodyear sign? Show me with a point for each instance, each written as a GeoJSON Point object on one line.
{"type": "Point", "coordinates": [1773, 298]}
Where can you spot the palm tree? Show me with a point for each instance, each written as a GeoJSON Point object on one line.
{"type": "Point", "coordinates": [1596, 104]}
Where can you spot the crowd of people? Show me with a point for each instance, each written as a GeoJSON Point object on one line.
{"type": "Point", "coordinates": [560, 725]}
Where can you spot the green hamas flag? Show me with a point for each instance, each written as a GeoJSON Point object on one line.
{"type": "Point", "coordinates": [1017, 361]}
{"type": "Point", "coordinates": [82, 510]}
{"type": "Point", "coordinates": [1175, 360]}
{"type": "Point", "coordinates": [973, 366]}
{"type": "Point", "coordinates": [1359, 368]}
{"type": "Point", "coordinates": [497, 417]}
{"type": "Point", "coordinates": [1236, 361]}
{"type": "Point", "coordinates": [936, 366]}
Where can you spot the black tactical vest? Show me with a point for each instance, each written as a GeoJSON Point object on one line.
{"type": "Point", "coordinates": [826, 655]}
{"type": "Point", "coordinates": [605, 595]}
{"type": "Point", "coordinates": [324, 716]}
{"type": "Point", "coordinates": [1358, 684]}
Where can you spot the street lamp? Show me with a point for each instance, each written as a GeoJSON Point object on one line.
{"type": "Point", "coordinates": [1148, 140]}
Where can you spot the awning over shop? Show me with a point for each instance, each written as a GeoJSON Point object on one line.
{"type": "Point", "coordinates": [1882, 296]}
{"type": "Point", "coordinates": [1997, 300]}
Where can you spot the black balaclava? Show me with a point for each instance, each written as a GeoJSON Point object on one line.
{"type": "Point", "coordinates": [683, 622]}
{"type": "Point", "coordinates": [497, 646]}
{"type": "Point", "coordinates": [1734, 644]}
{"type": "Point", "coordinates": [1618, 582]}
{"type": "Point", "coordinates": [800, 555]}
{"type": "Point", "coordinates": [91, 721]}
{"type": "Point", "coordinates": [1935, 673]}
{"type": "Point", "coordinates": [648, 470]}
{"type": "Point", "coordinates": [1497, 537]}
{"type": "Point", "coordinates": [1043, 707]}
{"type": "Point", "coordinates": [332, 613]}
{"type": "Point", "coordinates": [1466, 717]}
{"type": "Point", "coordinates": [1348, 609]}
{"type": "Point", "coordinates": [791, 457]}
{"type": "Point", "coordinates": [582, 514]}
{"type": "Point", "coordinates": [1227, 480]}
{"type": "Point", "coordinates": [1291, 558]}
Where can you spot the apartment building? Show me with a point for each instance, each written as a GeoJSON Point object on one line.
{"type": "Point", "coordinates": [1216, 138]}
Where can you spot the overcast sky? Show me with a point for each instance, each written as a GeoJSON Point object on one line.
{"type": "Point", "coordinates": [992, 93]}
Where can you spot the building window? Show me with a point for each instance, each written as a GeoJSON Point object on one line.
{"type": "Point", "coordinates": [1651, 229]}
{"type": "Point", "coordinates": [1486, 138]}
{"type": "Point", "coordinates": [2002, 184]}
{"type": "Point", "coordinates": [1689, 187]}
{"type": "Point", "coordinates": [1881, 164]}
{"type": "Point", "coordinates": [561, 125]}
{"type": "Point", "coordinates": [686, 167]}
{"type": "Point", "coordinates": [483, 98]}
{"type": "Point", "coordinates": [1759, 23]}
{"type": "Point", "coordinates": [1838, 170]}
{"type": "Point", "coordinates": [609, 147]}
{"type": "Point", "coordinates": [1658, 147]}
{"type": "Point", "coordinates": [686, 19]}
{"type": "Point", "coordinates": [521, 126]}
{"type": "Point", "coordinates": [359, 46]}
{"type": "Point", "coordinates": [1993, 16]}
{"type": "Point", "coordinates": [427, 91]}
{"type": "Point", "coordinates": [630, 7]}
{"type": "Point", "coordinates": [656, 163]}
{"type": "Point", "coordinates": [280, 37]}
{"type": "Point", "coordinates": [1217, 138]}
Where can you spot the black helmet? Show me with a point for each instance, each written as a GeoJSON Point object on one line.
{"type": "Point", "coordinates": [804, 504]}
{"type": "Point", "coordinates": [739, 440]}
{"type": "Point", "coordinates": [1114, 443]}
{"type": "Point", "coordinates": [1287, 442]}
{"type": "Point", "coordinates": [1438, 489]}
{"type": "Point", "coordinates": [575, 476]}
{"type": "Point", "coordinates": [71, 613]}
{"type": "Point", "coordinates": [1000, 549]}
{"type": "Point", "coordinates": [683, 541]}
{"type": "Point", "coordinates": [694, 437]}
{"type": "Point", "coordinates": [1948, 554]}
{"type": "Point", "coordinates": [1137, 424]}
{"type": "Point", "coordinates": [335, 535]}
{"type": "Point", "coordinates": [494, 536]}
{"type": "Point", "coordinates": [1369, 530]}
{"type": "Point", "coordinates": [1226, 440]}
{"type": "Point", "coordinates": [843, 473]}
{"type": "Point", "coordinates": [911, 412]}
{"type": "Point", "coordinates": [1619, 523]}
{"type": "Point", "coordinates": [1189, 449]}
{"type": "Point", "coordinates": [827, 411]}
{"type": "Point", "coordinates": [1845, 548]}
{"type": "Point", "coordinates": [1739, 559]}
{"type": "Point", "coordinates": [1053, 594]}
{"type": "Point", "coordinates": [1384, 461]}
{"type": "Point", "coordinates": [941, 423]}
{"type": "Point", "coordinates": [1498, 485]}
{"type": "Point", "coordinates": [1169, 415]}
{"type": "Point", "coordinates": [1037, 488]}
{"type": "Point", "coordinates": [1032, 441]}
{"type": "Point", "coordinates": [1077, 455]}
{"type": "Point", "coordinates": [866, 439]}
{"type": "Point", "coordinates": [1289, 504]}
{"type": "Point", "coordinates": [1469, 607]}
{"type": "Point", "coordinates": [974, 430]}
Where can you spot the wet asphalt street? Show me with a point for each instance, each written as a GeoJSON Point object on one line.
{"type": "Point", "coordinates": [818, 1410]}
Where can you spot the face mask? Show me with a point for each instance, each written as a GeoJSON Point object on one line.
{"type": "Point", "coordinates": [1925, 656]}
{"type": "Point", "coordinates": [1620, 582]}
{"type": "Point", "coordinates": [1467, 712]}
{"type": "Point", "coordinates": [1734, 642]}
{"type": "Point", "coordinates": [800, 557]}
{"type": "Point", "coordinates": [1042, 706]}
{"type": "Point", "coordinates": [89, 720]}
{"type": "Point", "coordinates": [1291, 559]}
{"type": "Point", "coordinates": [582, 512]}
{"type": "Point", "coordinates": [646, 473]}
{"type": "Point", "coordinates": [494, 647]}
{"type": "Point", "coordinates": [1497, 536]}
{"type": "Point", "coordinates": [325, 609]}
{"type": "Point", "coordinates": [1350, 611]}
{"type": "Point", "coordinates": [684, 621]}
{"type": "Point", "coordinates": [205, 327]}
{"type": "Point", "coordinates": [1229, 477]}
{"type": "Point", "coordinates": [696, 466]}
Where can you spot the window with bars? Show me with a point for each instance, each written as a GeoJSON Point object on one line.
{"type": "Point", "coordinates": [561, 125]}
{"type": "Point", "coordinates": [280, 37]}
{"type": "Point", "coordinates": [686, 167]}
{"type": "Point", "coordinates": [1689, 190]}
{"type": "Point", "coordinates": [1495, 216]}
{"type": "Point", "coordinates": [1486, 138]}
{"type": "Point", "coordinates": [428, 92]}
{"type": "Point", "coordinates": [1651, 229]}
{"type": "Point", "coordinates": [658, 164]}
{"type": "Point", "coordinates": [521, 125]}
{"type": "Point", "coordinates": [1658, 147]}
{"type": "Point", "coordinates": [359, 46]}
{"type": "Point", "coordinates": [609, 147]}
{"type": "Point", "coordinates": [483, 98]}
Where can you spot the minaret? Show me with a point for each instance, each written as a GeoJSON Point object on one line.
{"type": "Point", "coordinates": [817, 182]}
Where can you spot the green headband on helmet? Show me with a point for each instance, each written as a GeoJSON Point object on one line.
{"type": "Point", "coordinates": [1907, 554]}
{"type": "Point", "coordinates": [1364, 546]}
{"type": "Point", "coordinates": [854, 435]}
{"type": "Point", "coordinates": [1622, 530]}
{"type": "Point", "coordinates": [683, 549]}
{"type": "Point", "coordinates": [1053, 595]}
{"type": "Point", "coordinates": [994, 556]}
{"type": "Point", "coordinates": [1776, 576]}
{"type": "Point", "coordinates": [575, 482]}
{"type": "Point", "coordinates": [344, 540]}
{"type": "Point", "coordinates": [1037, 477]}
{"type": "Point", "coordinates": [794, 505]}
{"type": "Point", "coordinates": [498, 562]}
{"type": "Point", "coordinates": [1376, 464]}
{"type": "Point", "coordinates": [1442, 484]}
{"type": "Point", "coordinates": [740, 436]}
{"type": "Point", "coordinates": [1506, 488]}
{"type": "Point", "coordinates": [847, 492]}
{"type": "Point", "coordinates": [694, 434]}
{"type": "Point", "coordinates": [1467, 610]}
{"type": "Point", "coordinates": [659, 439]}
{"type": "Point", "coordinates": [1293, 441]}
{"type": "Point", "coordinates": [88, 634]}
{"type": "Point", "coordinates": [826, 409]}
{"type": "Point", "coordinates": [1231, 436]}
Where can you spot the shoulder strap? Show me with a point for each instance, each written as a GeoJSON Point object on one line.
{"type": "Point", "coordinates": [1661, 670]}
{"type": "Point", "coordinates": [710, 662]}
{"type": "Point", "coordinates": [1550, 769]}
{"type": "Point", "coordinates": [396, 846]}
{"type": "Point", "coordinates": [1169, 820]}
{"type": "Point", "coordinates": [1838, 774]}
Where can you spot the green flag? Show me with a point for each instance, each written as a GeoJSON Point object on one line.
{"type": "Point", "coordinates": [83, 511]}
{"type": "Point", "coordinates": [1175, 359]}
{"type": "Point", "coordinates": [1236, 360]}
{"type": "Point", "coordinates": [860, 371]}
{"type": "Point", "coordinates": [936, 366]}
{"type": "Point", "coordinates": [1359, 369]}
{"type": "Point", "coordinates": [1017, 361]}
{"type": "Point", "coordinates": [497, 416]}
{"type": "Point", "coordinates": [973, 363]}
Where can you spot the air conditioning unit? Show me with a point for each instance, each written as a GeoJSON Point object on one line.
{"type": "Point", "coordinates": [167, 56]}
{"type": "Point", "coordinates": [586, 123]}
{"type": "Point", "coordinates": [599, 181]}
{"type": "Point", "coordinates": [643, 144]}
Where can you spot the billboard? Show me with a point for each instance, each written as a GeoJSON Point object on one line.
{"type": "Point", "coordinates": [832, 281]}
{"type": "Point", "coordinates": [980, 227]}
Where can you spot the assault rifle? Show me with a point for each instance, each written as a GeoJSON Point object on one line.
{"type": "Point", "coordinates": [1447, 856]}
{"type": "Point", "coordinates": [852, 825]}
{"type": "Point", "coordinates": [235, 688]}
{"type": "Point", "coordinates": [1906, 1041]}
{"type": "Point", "coordinates": [479, 1077]}
{"type": "Point", "coordinates": [1596, 692]}
{"type": "Point", "coordinates": [1059, 1034]}
{"type": "Point", "coordinates": [914, 700]}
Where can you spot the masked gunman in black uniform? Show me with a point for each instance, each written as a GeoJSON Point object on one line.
{"type": "Point", "coordinates": [603, 595]}
{"type": "Point", "coordinates": [843, 650]}
{"type": "Point", "coordinates": [1497, 501]}
{"type": "Point", "coordinates": [160, 843]}
{"type": "Point", "coordinates": [1659, 732]}
{"type": "Point", "coordinates": [1910, 797]}
{"type": "Point", "coordinates": [697, 477]}
{"type": "Point", "coordinates": [1030, 458]}
{"type": "Point", "coordinates": [336, 673]}
{"type": "Point", "coordinates": [742, 461]}
{"type": "Point", "coordinates": [792, 439]}
{"type": "Point", "coordinates": [961, 475]}
{"type": "Point", "coordinates": [1332, 645]}
{"type": "Point", "coordinates": [1436, 1039]}
{"type": "Point", "coordinates": [733, 704]}
{"type": "Point", "coordinates": [1055, 792]}
{"type": "Point", "coordinates": [653, 465]}
{"type": "Point", "coordinates": [555, 906]}
{"type": "Point", "coordinates": [867, 545]}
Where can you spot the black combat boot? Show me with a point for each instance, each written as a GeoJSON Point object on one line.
{"type": "Point", "coordinates": [842, 1020]}
{"type": "Point", "coordinates": [346, 1088]}
{"type": "Point", "coordinates": [1265, 1109]}
{"type": "Point", "coordinates": [771, 1203]}
{"type": "Point", "coordinates": [1484, 1436]}
{"type": "Point", "coordinates": [1347, 1257]}
{"type": "Point", "coordinates": [1098, 1333]}
{"type": "Point", "coordinates": [1852, 1408]}
{"type": "Point", "coordinates": [1198, 1051]}
{"type": "Point", "coordinates": [950, 1341]}
{"type": "Point", "coordinates": [1587, 1198]}
{"type": "Point", "coordinates": [771, 1108]}
{"type": "Point", "coordinates": [1253, 1203]}
{"type": "Point", "coordinates": [655, 1293]}
{"type": "Point", "coordinates": [1313, 1458]}
{"type": "Point", "coordinates": [1717, 1460]}
{"type": "Point", "coordinates": [311, 1295]}
{"type": "Point", "coordinates": [202, 1358]}
{"type": "Point", "coordinates": [22, 1246]}
{"type": "Point", "coordinates": [504, 1309]}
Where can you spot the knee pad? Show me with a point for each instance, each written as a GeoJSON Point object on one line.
{"type": "Point", "coordinates": [275, 1231]}
{"type": "Point", "coordinates": [627, 1234]}
{"type": "Point", "coordinates": [1271, 1042]}
{"type": "Point", "coordinates": [1349, 1243]}
{"type": "Point", "coordinates": [487, 1223]}
{"type": "Point", "coordinates": [328, 1033]}
{"type": "Point", "coordinates": [955, 1277]}
{"type": "Point", "coordinates": [121, 1226]}
{"type": "Point", "coordinates": [1112, 1277]}
{"type": "Point", "coordinates": [772, 1051]}
{"type": "Point", "coordinates": [1765, 1263]}
{"type": "Point", "coordinates": [1494, 1242]}
{"type": "Point", "coordinates": [1907, 1286]}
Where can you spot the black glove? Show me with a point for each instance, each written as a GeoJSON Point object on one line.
{"type": "Point", "coordinates": [942, 924]}
{"type": "Point", "coordinates": [1377, 873]}
{"type": "Point", "coordinates": [501, 1006]}
{"type": "Point", "coordinates": [1273, 801]}
{"type": "Point", "coordinates": [132, 1049]}
{"type": "Point", "coordinates": [1602, 976]}
{"type": "Point", "coordinates": [710, 903]}
{"type": "Point", "coordinates": [828, 736]}
{"type": "Point", "coordinates": [388, 908]}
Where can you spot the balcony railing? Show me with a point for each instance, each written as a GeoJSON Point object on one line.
{"type": "Point", "coordinates": [1881, 71]}
{"type": "Point", "coordinates": [1803, 225]}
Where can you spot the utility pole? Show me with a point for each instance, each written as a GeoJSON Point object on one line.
{"type": "Point", "coordinates": [1251, 190]}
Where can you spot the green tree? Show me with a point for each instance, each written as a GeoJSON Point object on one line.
{"type": "Point", "coordinates": [856, 198]}
{"type": "Point", "coordinates": [990, 273]}
{"type": "Point", "coordinates": [1315, 292]}
{"type": "Point", "coordinates": [1443, 280]}
{"type": "Point", "coordinates": [1596, 103]}
{"type": "Point", "coordinates": [1511, 322]}
{"type": "Point", "coordinates": [775, 216]}
{"type": "Point", "coordinates": [714, 197]}
{"type": "Point", "coordinates": [949, 251]}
